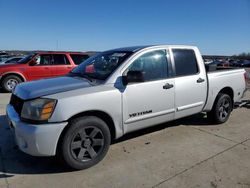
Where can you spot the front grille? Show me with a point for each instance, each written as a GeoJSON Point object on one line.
{"type": "Point", "coordinates": [17, 103]}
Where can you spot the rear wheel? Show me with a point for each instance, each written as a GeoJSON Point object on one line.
{"type": "Point", "coordinates": [9, 82]}
{"type": "Point", "coordinates": [86, 142]}
{"type": "Point", "coordinates": [222, 109]}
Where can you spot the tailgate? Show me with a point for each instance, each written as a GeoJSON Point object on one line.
{"type": "Point", "coordinates": [247, 78]}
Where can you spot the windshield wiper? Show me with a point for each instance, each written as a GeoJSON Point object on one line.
{"type": "Point", "coordinates": [87, 76]}
{"type": "Point", "coordinates": [80, 75]}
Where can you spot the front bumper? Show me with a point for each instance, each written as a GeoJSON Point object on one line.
{"type": "Point", "coordinates": [36, 140]}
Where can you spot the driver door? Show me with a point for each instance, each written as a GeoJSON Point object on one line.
{"type": "Point", "coordinates": [149, 102]}
{"type": "Point", "coordinates": [42, 68]}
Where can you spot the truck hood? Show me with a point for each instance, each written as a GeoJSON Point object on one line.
{"type": "Point", "coordinates": [35, 89]}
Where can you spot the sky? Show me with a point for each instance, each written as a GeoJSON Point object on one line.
{"type": "Point", "coordinates": [217, 27]}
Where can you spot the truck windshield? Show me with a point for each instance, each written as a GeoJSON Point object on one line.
{"type": "Point", "coordinates": [101, 66]}
{"type": "Point", "coordinates": [26, 59]}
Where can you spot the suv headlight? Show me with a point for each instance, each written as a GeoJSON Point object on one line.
{"type": "Point", "coordinates": [38, 109]}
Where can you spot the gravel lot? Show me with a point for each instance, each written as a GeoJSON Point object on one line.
{"type": "Point", "coordinates": [185, 153]}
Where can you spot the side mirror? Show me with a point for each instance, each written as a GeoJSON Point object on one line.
{"type": "Point", "coordinates": [132, 77]}
{"type": "Point", "coordinates": [32, 62]}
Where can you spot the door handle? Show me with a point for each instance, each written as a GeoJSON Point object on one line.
{"type": "Point", "coordinates": [168, 86]}
{"type": "Point", "coordinates": [200, 80]}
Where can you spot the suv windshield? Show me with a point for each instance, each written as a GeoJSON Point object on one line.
{"type": "Point", "coordinates": [102, 65]}
{"type": "Point", "coordinates": [26, 59]}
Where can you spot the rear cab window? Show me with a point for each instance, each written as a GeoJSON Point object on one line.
{"type": "Point", "coordinates": [185, 62]}
{"type": "Point", "coordinates": [79, 58]}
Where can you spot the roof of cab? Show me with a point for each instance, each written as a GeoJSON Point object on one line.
{"type": "Point", "coordinates": [137, 48]}
{"type": "Point", "coordinates": [131, 48]}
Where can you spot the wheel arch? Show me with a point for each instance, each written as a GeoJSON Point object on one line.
{"type": "Point", "coordinates": [225, 90]}
{"type": "Point", "coordinates": [229, 91]}
{"type": "Point", "coordinates": [213, 114]}
{"type": "Point", "coordinates": [21, 76]}
{"type": "Point", "coordinates": [100, 114]}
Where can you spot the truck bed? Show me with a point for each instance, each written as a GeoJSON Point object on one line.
{"type": "Point", "coordinates": [213, 68]}
{"type": "Point", "coordinates": [218, 78]}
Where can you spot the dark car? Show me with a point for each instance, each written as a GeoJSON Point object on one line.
{"type": "Point", "coordinates": [220, 63]}
{"type": "Point", "coordinates": [232, 63]}
{"type": "Point", "coordinates": [12, 60]}
{"type": "Point", "coordinates": [243, 63]}
{"type": "Point", "coordinates": [3, 53]}
{"type": "Point", "coordinates": [4, 58]}
{"type": "Point", "coordinates": [216, 62]}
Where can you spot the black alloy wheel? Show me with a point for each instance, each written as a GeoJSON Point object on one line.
{"type": "Point", "coordinates": [222, 109]}
{"type": "Point", "coordinates": [86, 142]}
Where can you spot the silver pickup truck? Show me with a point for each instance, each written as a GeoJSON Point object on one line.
{"type": "Point", "coordinates": [116, 92]}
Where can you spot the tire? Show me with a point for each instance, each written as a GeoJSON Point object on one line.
{"type": "Point", "coordinates": [222, 109]}
{"type": "Point", "coordinates": [86, 142]}
{"type": "Point", "coordinates": [9, 82]}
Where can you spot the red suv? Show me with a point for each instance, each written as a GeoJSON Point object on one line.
{"type": "Point", "coordinates": [39, 65]}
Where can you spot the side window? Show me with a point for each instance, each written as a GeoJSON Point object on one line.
{"type": "Point", "coordinates": [185, 62]}
{"type": "Point", "coordinates": [78, 58]}
{"type": "Point", "coordinates": [43, 59]}
{"type": "Point", "coordinates": [59, 59]}
{"type": "Point", "coordinates": [154, 65]}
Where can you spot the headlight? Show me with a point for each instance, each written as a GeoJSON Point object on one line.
{"type": "Point", "coordinates": [38, 109]}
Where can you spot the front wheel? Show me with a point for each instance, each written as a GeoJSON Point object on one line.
{"type": "Point", "coordinates": [86, 142]}
{"type": "Point", "coordinates": [222, 109]}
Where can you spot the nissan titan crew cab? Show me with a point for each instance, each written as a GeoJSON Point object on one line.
{"type": "Point", "coordinates": [116, 92]}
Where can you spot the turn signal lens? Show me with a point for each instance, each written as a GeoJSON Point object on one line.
{"type": "Point", "coordinates": [47, 111]}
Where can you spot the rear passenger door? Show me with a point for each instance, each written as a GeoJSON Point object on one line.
{"type": "Point", "coordinates": [60, 65]}
{"type": "Point", "coordinates": [190, 83]}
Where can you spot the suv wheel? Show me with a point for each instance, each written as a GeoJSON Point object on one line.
{"type": "Point", "coordinates": [9, 82]}
{"type": "Point", "coordinates": [86, 142]}
{"type": "Point", "coordinates": [222, 109]}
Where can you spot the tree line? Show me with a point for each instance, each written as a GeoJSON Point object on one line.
{"type": "Point", "coordinates": [242, 56]}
